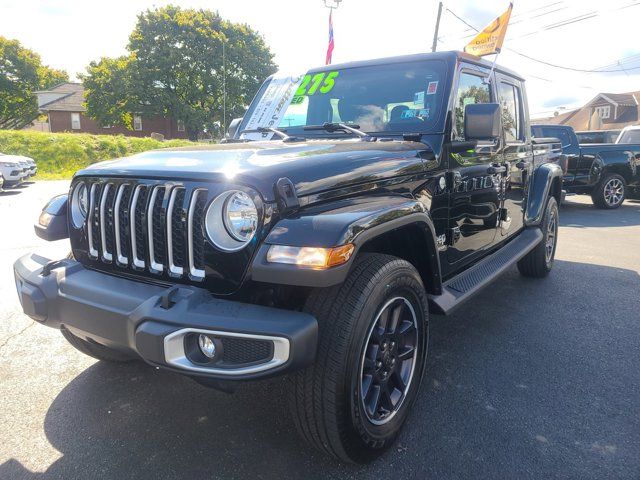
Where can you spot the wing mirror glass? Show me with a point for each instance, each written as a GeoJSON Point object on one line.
{"type": "Point", "coordinates": [482, 122]}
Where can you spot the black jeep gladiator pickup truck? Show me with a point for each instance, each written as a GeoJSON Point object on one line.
{"type": "Point", "coordinates": [608, 172]}
{"type": "Point", "coordinates": [347, 204]}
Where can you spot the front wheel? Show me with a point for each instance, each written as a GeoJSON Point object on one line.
{"type": "Point", "coordinates": [610, 192]}
{"type": "Point", "coordinates": [354, 400]}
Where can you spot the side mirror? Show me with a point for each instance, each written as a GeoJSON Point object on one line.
{"type": "Point", "coordinates": [233, 127]}
{"type": "Point", "coordinates": [482, 122]}
{"type": "Point", "coordinates": [52, 223]}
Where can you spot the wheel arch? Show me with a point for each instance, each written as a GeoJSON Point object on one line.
{"type": "Point", "coordinates": [620, 169]}
{"type": "Point", "coordinates": [618, 161]}
{"type": "Point", "coordinates": [414, 243]}
{"type": "Point", "coordinates": [546, 180]}
{"type": "Point", "coordinates": [376, 225]}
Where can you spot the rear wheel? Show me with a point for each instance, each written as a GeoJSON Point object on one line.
{"type": "Point", "coordinates": [610, 192]}
{"type": "Point", "coordinates": [539, 261]}
{"type": "Point", "coordinates": [372, 349]}
{"type": "Point", "coordinates": [95, 350]}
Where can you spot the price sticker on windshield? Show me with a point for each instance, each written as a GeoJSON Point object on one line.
{"type": "Point", "coordinates": [322, 82]}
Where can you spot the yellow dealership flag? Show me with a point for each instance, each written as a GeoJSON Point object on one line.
{"type": "Point", "coordinates": [490, 39]}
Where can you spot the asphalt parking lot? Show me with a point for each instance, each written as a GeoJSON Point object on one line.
{"type": "Point", "coordinates": [532, 379]}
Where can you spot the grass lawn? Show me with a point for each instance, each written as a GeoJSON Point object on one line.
{"type": "Point", "coordinates": [60, 155]}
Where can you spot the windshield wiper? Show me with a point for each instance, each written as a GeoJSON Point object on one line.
{"type": "Point", "coordinates": [279, 133]}
{"type": "Point", "coordinates": [332, 127]}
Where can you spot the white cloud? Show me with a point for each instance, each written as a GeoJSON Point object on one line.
{"type": "Point", "coordinates": [70, 33]}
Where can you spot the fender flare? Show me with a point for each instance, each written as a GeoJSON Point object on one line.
{"type": "Point", "coordinates": [539, 189]}
{"type": "Point", "coordinates": [350, 221]}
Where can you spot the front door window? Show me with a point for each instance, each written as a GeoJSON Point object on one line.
{"type": "Point", "coordinates": [474, 202]}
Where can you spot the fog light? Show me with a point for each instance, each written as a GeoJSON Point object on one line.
{"type": "Point", "coordinates": [207, 347]}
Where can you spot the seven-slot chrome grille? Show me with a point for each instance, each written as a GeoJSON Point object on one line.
{"type": "Point", "coordinates": [151, 227]}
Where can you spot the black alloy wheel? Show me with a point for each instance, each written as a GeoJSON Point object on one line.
{"type": "Point", "coordinates": [389, 360]}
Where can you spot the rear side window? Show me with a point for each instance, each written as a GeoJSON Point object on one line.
{"type": "Point", "coordinates": [471, 89]}
{"type": "Point", "coordinates": [560, 133]}
{"type": "Point", "coordinates": [509, 97]}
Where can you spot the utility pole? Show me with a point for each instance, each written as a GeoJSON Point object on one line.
{"type": "Point", "coordinates": [224, 88]}
{"type": "Point", "coordinates": [435, 34]}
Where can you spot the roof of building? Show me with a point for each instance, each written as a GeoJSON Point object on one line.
{"type": "Point", "coordinates": [584, 119]}
{"type": "Point", "coordinates": [71, 99]}
{"type": "Point", "coordinates": [624, 99]}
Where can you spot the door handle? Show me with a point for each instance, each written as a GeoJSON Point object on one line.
{"type": "Point", "coordinates": [494, 170]}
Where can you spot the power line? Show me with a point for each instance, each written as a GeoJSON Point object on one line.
{"type": "Point", "coordinates": [558, 24]}
{"type": "Point", "coordinates": [573, 20]}
{"type": "Point", "coordinates": [579, 70]}
{"type": "Point", "coordinates": [517, 16]}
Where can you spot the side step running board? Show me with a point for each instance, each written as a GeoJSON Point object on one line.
{"type": "Point", "coordinates": [464, 285]}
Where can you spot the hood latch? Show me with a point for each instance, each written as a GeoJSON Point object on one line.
{"type": "Point", "coordinates": [286, 196]}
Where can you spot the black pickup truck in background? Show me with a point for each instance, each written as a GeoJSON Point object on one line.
{"type": "Point", "coordinates": [608, 172]}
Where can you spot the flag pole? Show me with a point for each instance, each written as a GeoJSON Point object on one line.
{"type": "Point", "coordinates": [495, 59]}
{"type": "Point", "coordinates": [331, 5]}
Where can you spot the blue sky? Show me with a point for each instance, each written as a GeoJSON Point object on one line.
{"type": "Point", "coordinates": [70, 33]}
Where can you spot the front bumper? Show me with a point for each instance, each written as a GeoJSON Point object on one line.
{"type": "Point", "coordinates": [12, 180]}
{"type": "Point", "coordinates": [159, 323]}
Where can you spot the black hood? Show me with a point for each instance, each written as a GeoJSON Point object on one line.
{"type": "Point", "coordinates": [313, 166]}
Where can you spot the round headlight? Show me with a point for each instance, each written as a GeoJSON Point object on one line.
{"type": "Point", "coordinates": [231, 220]}
{"type": "Point", "coordinates": [240, 216]}
{"type": "Point", "coordinates": [79, 205]}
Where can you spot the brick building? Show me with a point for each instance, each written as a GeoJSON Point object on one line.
{"type": "Point", "coordinates": [63, 105]}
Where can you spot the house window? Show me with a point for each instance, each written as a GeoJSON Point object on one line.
{"type": "Point", "coordinates": [604, 112]}
{"type": "Point", "coordinates": [181, 125]}
{"type": "Point", "coordinates": [137, 123]}
{"type": "Point", "coordinates": [75, 121]}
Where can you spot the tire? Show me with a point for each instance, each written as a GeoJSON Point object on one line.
{"type": "Point", "coordinates": [539, 261]}
{"type": "Point", "coordinates": [327, 399]}
{"type": "Point", "coordinates": [95, 350]}
{"type": "Point", "coordinates": [610, 192]}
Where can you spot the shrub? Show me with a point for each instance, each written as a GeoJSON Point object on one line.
{"type": "Point", "coordinates": [60, 155]}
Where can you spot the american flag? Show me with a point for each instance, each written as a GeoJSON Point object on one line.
{"type": "Point", "coordinates": [331, 44]}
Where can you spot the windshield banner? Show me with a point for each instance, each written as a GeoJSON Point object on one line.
{"type": "Point", "coordinates": [272, 106]}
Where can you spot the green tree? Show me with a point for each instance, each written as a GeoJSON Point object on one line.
{"type": "Point", "coordinates": [107, 86]}
{"type": "Point", "coordinates": [21, 74]}
{"type": "Point", "coordinates": [175, 68]}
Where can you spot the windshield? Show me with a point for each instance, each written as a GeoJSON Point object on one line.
{"type": "Point", "coordinates": [630, 136]}
{"type": "Point", "coordinates": [392, 98]}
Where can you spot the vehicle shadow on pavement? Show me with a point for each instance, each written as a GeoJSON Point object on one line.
{"type": "Point", "coordinates": [580, 215]}
{"type": "Point", "coordinates": [10, 193]}
{"type": "Point", "coordinates": [529, 380]}
{"type": "Point", "coordinates": [133, 421]}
